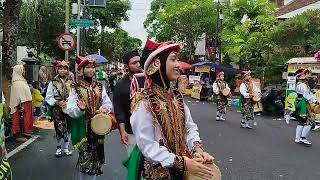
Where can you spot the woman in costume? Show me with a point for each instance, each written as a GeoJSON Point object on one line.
{"type": "Point", "coordinates": [162, 123]}
{"type": "Point", "coordinates": [21, 105]}
{"type": "Point", "coordinates": [304, 98]}
{"type": "Point", "coordinates": [88, 98]}
{"type": "Point", "coordinates": [56, 97]}
{"type": "Point", "coordinates": [247, 90]}
{"type": "Point", "coordinates": [222, 100]}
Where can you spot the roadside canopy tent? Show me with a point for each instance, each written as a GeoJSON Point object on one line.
{"type": "Point", "coordinates": [217, 67]}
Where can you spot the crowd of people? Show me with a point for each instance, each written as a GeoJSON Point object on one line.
{"type": "Point", "coordinates": [155, 124]}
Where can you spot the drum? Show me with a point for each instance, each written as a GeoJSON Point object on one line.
{"type": "Point", "coordinates": [101, 124]}
{"type": "Point", "coordinates": [226, 91]}
{"type": "Point", "coordinates": [256, 98]}
{"type": "Point", "coordinates": [215, 169]}
{"type": "Point", "coordinates": [315, 108]}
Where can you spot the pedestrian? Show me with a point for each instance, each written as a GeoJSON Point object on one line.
{"type": "Point", "coordinates": [37, 100]}
{"type": "Point", "coordinates": [248, 90]}
{"type": "Point", "coordinates": [71, 74]}
{"type": "Point", "coordinates": [162, 123]}
{"type": "Point", "coordinates": [43, 77]}
{"type": "Point", "coordinates": [88, 98]}
{"type": "Point", "coordinates": [21, 105]}
{"type": "Point", "coordinates": [222, 99]}
{"type": "Point", "coordinates": [56, 97]}
{"type": "Point", "coordinates": [122, 99]}
{"type": "Point", "coordinates": [304, 98]}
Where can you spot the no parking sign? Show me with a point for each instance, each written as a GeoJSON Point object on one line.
{"type": "Point", "coordinates": [66, 42]}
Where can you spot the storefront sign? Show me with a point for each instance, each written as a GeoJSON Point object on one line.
{"type": "Point", "coordinates": [202, 69]}
{"type": "Point", "coordinates": [196, 89]}
{"type": "Point", "coordinates": [193, 79]}
{"type": "Point", "coordinates": [313, 68]}
{"type": "Point", "coordinates": [291, 83]}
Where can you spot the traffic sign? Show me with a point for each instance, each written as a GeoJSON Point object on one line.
{"type": "Point", "coordinates": [66, 42]}
{"type": "Point", "coordinates": [82, 22]}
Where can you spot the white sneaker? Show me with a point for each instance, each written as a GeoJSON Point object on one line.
{"type": "Point", "coordinates": [305, 142]}
{"type": "Point", "coordinates": [222, 119]}
{"type": "Point", "coordinates": [248, 126]}
{"type": "Point", "coordinates": [297, 140]}
{"type": "Point", "coordinates": [67, 152]}
{"type": "Point", "coordinates": [287, 117]}
{"type": "Point", "coordinates": [218, 118]}
{"type": "Point", "coordinates": [58, 152]}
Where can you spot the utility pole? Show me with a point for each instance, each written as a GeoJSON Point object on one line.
{"type": "Point", "coordinates": [216, 46]}
{"type": "Point", "coordinates": [67, 19]}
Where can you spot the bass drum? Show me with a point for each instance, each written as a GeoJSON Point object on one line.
{"type": "Point", "coordinates": [101, 124]}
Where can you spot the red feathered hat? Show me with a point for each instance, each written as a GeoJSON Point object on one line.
{"type": "Point", "coordinates": [152, 63]}
{"type": "Point", "coordinates": [245, 73]}
{"type": "Point", "coordinates": [83, 61]}
{"type": "Point", "coordinates": [58, 64]}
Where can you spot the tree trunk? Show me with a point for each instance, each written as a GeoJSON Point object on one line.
{"type": "Point", "coordinates": [10, 29]}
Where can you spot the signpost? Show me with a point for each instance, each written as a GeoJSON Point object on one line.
{"type": "Point", "coordinates": [66, 42]}
{"type": "Point", "coordinates": [82, 22]}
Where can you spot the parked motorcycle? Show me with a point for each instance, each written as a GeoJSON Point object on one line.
{"type": "Point", "coordinates": [273, 101]}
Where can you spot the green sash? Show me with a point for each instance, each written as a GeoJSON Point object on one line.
{"type": "Point", "coordinates": [239, 105]}
{"type": "Point", "coordinates": [78, 131]}
{"type": "Point", "coordinates": [302, 107]}
{"type": "Point", "coordinates": [133, 164]}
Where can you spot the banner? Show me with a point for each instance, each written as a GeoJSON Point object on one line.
{"type": "Point", "coordinates": [183, 83]}
{"type": "Point", "coordinates": [202, 69]}
{"type": "Point", "coordinates": [196, 90]}
{"type": "Point", "coordinates": [313, 68]}
{"type": "Point", "coordinates": [193, 79]}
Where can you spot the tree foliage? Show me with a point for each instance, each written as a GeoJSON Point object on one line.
{"type": "Point", "coordinates": [181, 20]}
{"type": "Point", "coordinates": [114, 44]}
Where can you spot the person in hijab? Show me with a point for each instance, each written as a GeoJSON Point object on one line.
{"type": "Point", "coordinates": [162, 124]}
{"type": "Point", "coordinates": [43, 76]}
{"type": "Point", "coordinates": [86, 99]}
{"type": "Point", "coordinates": [21, 105]}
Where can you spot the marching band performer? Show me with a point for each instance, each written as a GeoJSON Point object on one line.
{"type": "Point", "coordinates": [56, 97]}
{"type": "Point", "coordinates": [87, 98]}
{"type": "Point", "coordinates": [218, 86]}
{"type": "Point", "coordinates": [304, 98]}
{"type": "Point", "coordinates": [248, 90]}
{"type": "Point", "coordinates": [162, 124]}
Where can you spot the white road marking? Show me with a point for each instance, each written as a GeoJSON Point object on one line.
{"type": "Point", "coordinates": [22, 146]}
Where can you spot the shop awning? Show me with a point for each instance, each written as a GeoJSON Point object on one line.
{"type": "Point", "coordinates": [303, 60]}
{"type": "Point", "coordinates": [227, 70]}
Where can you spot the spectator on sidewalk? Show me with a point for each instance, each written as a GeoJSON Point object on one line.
{"type": "Point", "coordinates": [21, 105]}
{"type": "Point", "coordinates": [37, 100]}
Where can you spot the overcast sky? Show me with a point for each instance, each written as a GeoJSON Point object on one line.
{"type": "Point", "coordinates": [137, 15]}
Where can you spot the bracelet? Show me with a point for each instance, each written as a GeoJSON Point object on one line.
{"type": "Point", "coordinates": [196, 146]}
{"type": "Point", "coordinates": [179, 163]}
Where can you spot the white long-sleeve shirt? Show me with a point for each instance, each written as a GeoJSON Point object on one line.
{"type": "Point", "coordinates": [304, 90]}
{"type": "Point", "coordinates": [244, 91]}
{"type": "Point", "coordinates": [148, 139]}
{"type": "Point", "coordinates": [51, 93]}
{"type": "Point", "coordinates": [215, 88]}
{"type": "Point", "coordinates": [75, 112]}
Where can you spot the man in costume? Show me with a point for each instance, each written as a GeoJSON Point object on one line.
{"type": "Point", "coordinates": [87, 98]}
{"type": "Point", "coordinates": [122, 99]}
{"type": "Point", "coordinates": [304, 98]}
{"type": "Point", "coordinates": [56, 97]}
{"type": "Point", "coordinates": [218, 86]}
{"type": "Point", "coordinates": [247, 90]}
{"type": "Point", "coordinates": [162, 123]}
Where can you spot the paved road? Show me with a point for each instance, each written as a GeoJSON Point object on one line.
{"type": "Point", "coordinates": [267, 152]}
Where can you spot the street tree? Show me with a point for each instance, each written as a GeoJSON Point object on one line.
{"type": "Point", "coordinates": [113, 44]}
{"type": "Point", "coordinates": [185, 21]}
{"type": "Point", "coordinates": [247, 33]}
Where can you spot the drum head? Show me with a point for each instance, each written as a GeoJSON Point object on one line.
{"type": "Point", "coordinates": [226, 91]}
{"type": "Point", "coordinates": [315, 108]}
{"type": "Point", "coordinates": [101, 124]}
{"type": "Point", "coordinates": [256, 98]}
{"type": "Point", "coordinates": [216, 172]}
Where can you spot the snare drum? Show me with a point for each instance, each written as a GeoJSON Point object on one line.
{"type": "Point", "coordinates": [101, 124]}
{"type": "Point", "coordinates": [215, 169]}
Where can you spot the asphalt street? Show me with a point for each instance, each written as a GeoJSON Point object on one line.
{"type": "Point", "coordinates": [267, 152]}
